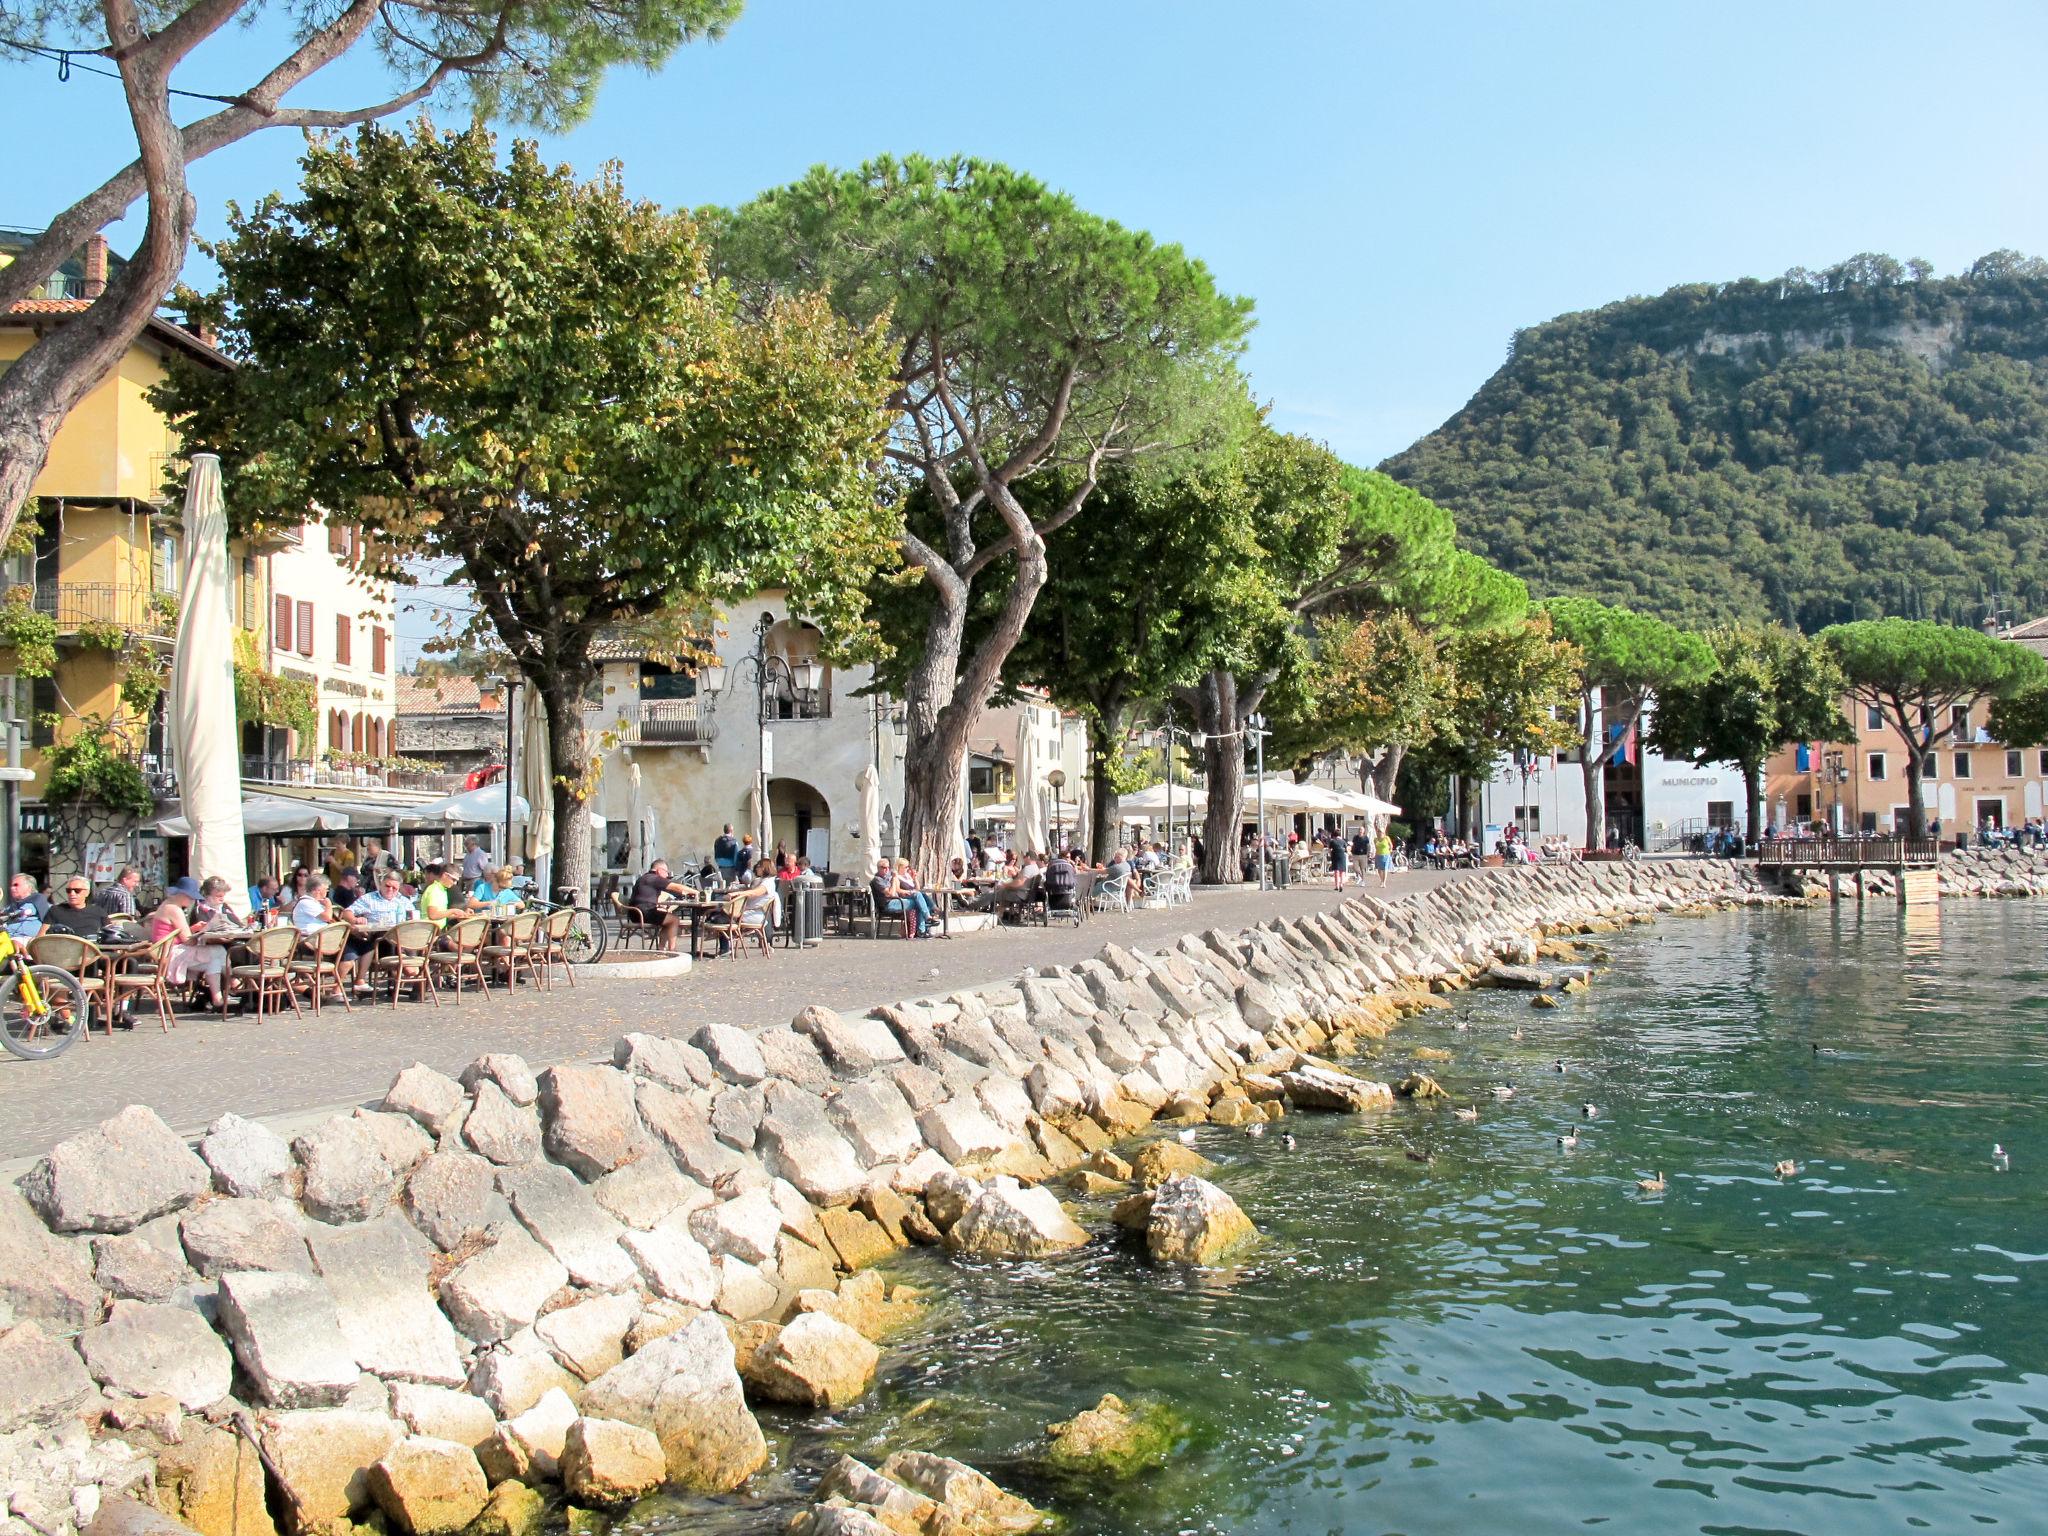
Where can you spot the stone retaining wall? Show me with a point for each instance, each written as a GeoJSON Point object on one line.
{"type": "Point", "coordinates": [417, 1315]}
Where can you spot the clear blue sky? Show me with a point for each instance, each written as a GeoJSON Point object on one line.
{"type": "Point", "coordinates": [1398, 186]}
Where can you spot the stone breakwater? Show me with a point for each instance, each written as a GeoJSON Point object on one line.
{"type": "Point", "coordinates": [420, 1316]}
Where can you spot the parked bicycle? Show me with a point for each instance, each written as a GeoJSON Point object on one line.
{"type": "Point", "coordinates": [588, 935]}
{"type": "Point", "coordinates": [43, 1008]}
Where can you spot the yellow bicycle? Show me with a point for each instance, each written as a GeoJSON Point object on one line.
{"type": "Point", "coordinates": [43, 1009]}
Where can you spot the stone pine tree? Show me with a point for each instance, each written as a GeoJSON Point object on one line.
{"type": "Point", "coordinates": [1030, 339]}
{"type": "Point", "coordinates": [1925, 680]}
{"type": "Point", "coordinates": [1626, 659]}
{"type": "Point", "coordinates": [490, 363]}
{"type": "Point", "coordinates": [1770, 685]}
{"type": "Point", "coordinates": [537, 64]}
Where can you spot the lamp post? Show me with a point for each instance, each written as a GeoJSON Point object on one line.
{"type": "Point", "coordinates": [1837, 775]}
{"type": "Point", "coordinates": [510, 686]}
{"type": "Point", "coordinates": [1057, 778]}
{"type": "Point", "coordinates": [1196, 740]}
{"type": "Point", "coordinates": [804, 679]}
{"type": "Point", "coordinates": [1255, 727]}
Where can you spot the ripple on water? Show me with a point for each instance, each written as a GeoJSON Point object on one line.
{"type": "Point", "coordinates": [1508, 1338]}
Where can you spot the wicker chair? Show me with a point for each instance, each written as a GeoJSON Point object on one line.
{"type": "Point", "coordinates": [516, 948]}
{"type": "Point", "coordinates": [551, 945]}
{"type": "Point", "coordinates": [462, 953]}
{"type": "Point", "coordinates": [83, 959]}
{"type": "Point", "coordinates": [142, 976]}
{"type": "Point", "coordinates": [269, 976]}
{"type": "Point", "coordinates": [318, 963]}
{"type": "Point", "coordinates": [634, 924]}
{"type": "Point", "coordinates": [409, 963]}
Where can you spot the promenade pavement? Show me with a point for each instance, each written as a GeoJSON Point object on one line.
{"type": "Point", "coordinates": [290, 1071]}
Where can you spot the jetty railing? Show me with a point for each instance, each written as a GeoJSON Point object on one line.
{"type": "Point", "coordinates": [1849, 852]}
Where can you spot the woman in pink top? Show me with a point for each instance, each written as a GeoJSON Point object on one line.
{"type": "Point", "coordinates": [188, 956]}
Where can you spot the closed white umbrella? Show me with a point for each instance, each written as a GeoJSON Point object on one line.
{"type": "Point", "coordinates": [867, 827]}
{"type": "Point", "coordinates": [202, 708]}
{"type": "Point", "coordinates": [1030, 809]}
{"type": "Point", "coordinates": [535, 780]}
{"type": "Point", "coordinates": [636, 836]}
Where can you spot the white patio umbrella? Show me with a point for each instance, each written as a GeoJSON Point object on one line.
{"type": "Point", "coordinates": [1153, 798]}
{"type": "Point", "coordinates": [867, 825]}
{"type": "Point", "coordinates": [1283, 794]}
{"type": "Point", "coordinates": [996, 810]}
{"type": "Point", "coordinates": [536, 785]}
{"type": "Point", "coordinates": [271, 815]}
{"type": "Point", "coordinates": [1367, 804]}
{"type": "Point", "coordinates": [636, 837]}
{"type": "Point", "coordinates": [1030, 802]}
{"type": "Point", "coordinates": [202, 707]}
{"type": "Point", "coordinates": [480, 807]}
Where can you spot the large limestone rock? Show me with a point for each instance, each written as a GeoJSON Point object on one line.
{"type": "Point", "coordinates": [322, 1459]}
{"type": "Point", "coordinates": [646, 1193]}
{"type": "Point", "coordinates": [674, 1063]}
{"type": "Point", "coordinates": [673, 1263]}
{"type": "Point", "coordinates": [132, 1267]}
{"type": "Point", "coordinates": [852, 1046]}
{"type": "Point", "coordinates": [513, 1509]}
{"type": "Point", "coordinates": [815, 1361]}
{"type": "Point", "coordinates": [441, 1413]}
{"type": "Point", "coordinates": [732, 1052]}
{"type": "Point", "coordinates": [1006, 1220]}
{"type": "Point", "coordinates": [429, 1487]}
{"type": "Point", "coordinates": [434, 1099]}
{"type": "Point", "coordinates": [591, 1125]}
{"type": "Point", "coordinates": [495, 1293]}
{"type": "Point", "coordinates": [1162, 1160]}
{"type": "Point", "coordinates": [745, 1226]}
{"type": "Point", "coordinates": [558, 1210]}
{"type": "Point", "coordinates": [794, 1059]}
{"type": "Point", "coordinates": [518, 1373]}
{"type": "Point", "coordinates": [529, 1445]}
{"type": "Point", "coordinates": [40, 1377]}
{"type": "Point", "coordinates": [736, 1115]}
{"type": "Point", "coordinates": [287, 1337]}
{"type": "Point", "coordinates": [509, 1074]}
{"type": "Point", "coordinates": [244, 1234]}
{"type": "Point", "coordinates": [1312, 1086]}
{"type": "Point", "coordinates": [973, 1500]}
{"type": "Point", "coordinates": [348, 1177]}
{"type": "Point", "coordinates": [452, 1195]}
{"type": "Point", "coordinates": [961, 1131]}
{"type": "Point", "coordinates": [116, 1176]}
{"type": "Point", "coordinates": [684, 1388]}
{"type": "Point", "coordinates": [856, 1240]}
{"type": "Point", "coordinates": [607, 1462]}
{"type": "Point", "coordinates": [247, 1159]}
{"type": "Point", "coordinates": [797, 1143]}
{"type": "Point", "coordinates": [499, 1129]}
{"type": "Point", "coordinates": [1194, 1222]}
{"type": "Point", "coordinates": [589, 1337]}
{"type": "Point", "coordinates": [895, 1507]}
{"type": "Point", "coordinates": [683, 1126]}
{"type": "Point", "coordinates": [43, 1276]}
{"type": "Point", "coordinates": [143, 1349]}
{"type": "Point", "coordinates": [875, 1120]}
{"type": "Point", "coordinates": [1111, 1440]}
{"type": "Point", "coordinates": [211, 1480]}
{"type": "Point", "coordinates": [377, 1274]}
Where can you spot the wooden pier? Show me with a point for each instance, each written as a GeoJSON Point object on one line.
{"type": "Point", "coordinates": [1913, 863]}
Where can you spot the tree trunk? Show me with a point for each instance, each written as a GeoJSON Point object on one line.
{"type": "Point", "coordinates": [1596, 798]}
{"type": "Point", "coordinates": [1753, 793]}
{"type": "Point", "coordinates": [1223, 763]}
{"type": "Point", "coordinates": [570, 782]}
{"type": "Point", "coordinates": [1103, 735]}
{"type": "Point", "coordinates": [1916, 795]}
{"type": "Point", "coordinates": [1471, 809]}
{"type": "Point", "coordinates": [1384, 774]}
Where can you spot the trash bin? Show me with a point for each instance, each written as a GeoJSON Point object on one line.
{"type": "Point", "coordinates": [1277, 870]}
{"type": "Point", "coordinates": [806, 903]}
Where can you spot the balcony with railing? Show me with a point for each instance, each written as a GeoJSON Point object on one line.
{"type": "Point", "coordinates": [664, 723]}
{"type": "Point", "coordinates": [74, 604]}
{"type": "Point", "coordinates": [307, 773]}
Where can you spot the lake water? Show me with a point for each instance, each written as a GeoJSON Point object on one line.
{"type": "Point", "coordinates": [1510, 1338]}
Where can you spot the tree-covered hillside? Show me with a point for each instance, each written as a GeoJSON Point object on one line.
{"type": "Point", "coordinates": [1859, 441]}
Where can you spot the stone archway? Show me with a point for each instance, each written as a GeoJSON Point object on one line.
{"type": "Point", "coordinates": [800, 818]}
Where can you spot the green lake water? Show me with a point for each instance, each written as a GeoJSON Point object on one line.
{"type": "Point", "coordinates": [1510, 1338]}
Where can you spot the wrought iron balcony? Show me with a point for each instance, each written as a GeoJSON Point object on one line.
{"type": "Point", "coordinates": [76, 603]}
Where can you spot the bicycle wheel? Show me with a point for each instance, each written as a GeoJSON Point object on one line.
{"type": "Point", "coordinates": [585, 941]}
{"type": "Point", "coordinates": [40, 1033]}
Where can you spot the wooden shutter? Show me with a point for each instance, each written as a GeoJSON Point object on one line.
{"type": "Point", "coordinates": [281, 623]}
{"type": "Point", "coordinates": [305, 628]}
{"type": "Point", "coordinates": [379, 641]}
{"type": "Point", "coordinates": [342, 635]}
{"type": "Point", "coordinates": [337, 539]}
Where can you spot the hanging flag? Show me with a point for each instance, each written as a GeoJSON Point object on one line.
{"type": "Point", "coordinates": [1804, 761]}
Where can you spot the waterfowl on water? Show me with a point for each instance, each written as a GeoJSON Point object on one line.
{"type": "Point", "coordinates": [1503, 1091]}
{"type": "Point", "coordinates": [1256, 1128]}
{"type": "Point", "coordinates": [1559, 1064]}
{"type": "Point", "coordinates": [1651, 1186]}
{"type": "Point", "coordinates": [1469, 1112]}
{"type": "Point", "coordinates": [1517, 1034]}
{"type": "Point", "coordinates": [1414, 1156]}
{"type": "Point", "coordinates": [1287, 1140]}
{"type": "Point", "coordinates": [1590, 1111]}
{"type": "Point", "coordinates": [2001, 1160]}
{"type": "Point", "coordinates": [1569, 1141]}
{"type": "Point", "coordinates": [1187, 1137]}
{"type": "Point", "coordinates": [1461, 1026]}
{"type": "Point", "coordinates": [1786, 1168]}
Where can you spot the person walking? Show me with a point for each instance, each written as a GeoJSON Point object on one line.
{"type": "Point", "coordinates": [1340, 863]}
{"type": "Point", "coordinates": [725, 853]}
{"type": "Point", "coordinates": [1383, 855]}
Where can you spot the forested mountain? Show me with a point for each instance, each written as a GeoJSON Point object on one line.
{"type": "Point", "coordinates": [1863, 440]}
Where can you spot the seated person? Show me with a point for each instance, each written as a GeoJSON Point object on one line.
{"type": "Point", "coordinates": [804, 874]}
{"type": "Point", "coordinates": [211, 913]}
{"type": "Point", "coordinates": [895, 891]}
{"type": "Point", "coordinates": [188, 956]}
{"type": "Point", "coordinates": [26, 907]}
{"type": "Point", "coordinates": [263, 897]}
{"type": "Point", "coordinates": [386, 905]}
{"type": "Point", "coordinates": [1013, 892]}
{"type": "Point", "coordinates": [646, 899]}
{"type": "Point", "coordinates": [313, 910]}
{"type": "Point", "coordinates": [75, 912]}
{"type": "Point", "coordinates": [437, 893]}
{"type": "Point", "coordinates": [346, 887]}
{"type": "Point", "coordinates": [494, 893]}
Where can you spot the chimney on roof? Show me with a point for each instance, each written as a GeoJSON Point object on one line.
{"type": "Point", "coordinates": [95, 266]}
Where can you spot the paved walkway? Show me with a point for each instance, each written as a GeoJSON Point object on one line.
{"type": "Point", "coordinates": [288, 1069]}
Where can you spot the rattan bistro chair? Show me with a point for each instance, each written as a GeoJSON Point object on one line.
{"type": "Point", "coordinates": [269, 973]}
{"type": "Point", "coordinates": [408, 963]}
{"type": "Point", "coordinates": [516, 948]}
{"type": "Point", "coordinates": [551, 945]}
{"type": "Point", "coordinates": [317, 965]}
{"type": "Point", "coordinates": [634, 924]}
{"type": "Point", "coordinates": [142, 976]}
{"type": "Point", "coordinates": [462, 951]}
{"type": "Point", "coordinates": [84, 960]}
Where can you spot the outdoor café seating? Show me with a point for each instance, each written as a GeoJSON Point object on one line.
{"type": "Point", "coordinates": [141, 975]}
{"type": "Point", "coordinates": [461, 952]}
{"type": "Point", "coordinates": [267, 976]}
{"type": "Point", "coordinates": [406, 963]}
{"type": "Point", "coordinates": [317, 965]}
{"type": "Point", "coordinates": [84, 960]}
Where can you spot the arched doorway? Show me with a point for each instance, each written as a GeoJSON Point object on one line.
{"type": "Point", "coordinates": [800, 818]}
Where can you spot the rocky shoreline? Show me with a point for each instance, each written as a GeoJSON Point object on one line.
{"type": "Point", "coordinates": [495, 1293]}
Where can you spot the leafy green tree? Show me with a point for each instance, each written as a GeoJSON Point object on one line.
{"type": "Point", "coordinates": [1625, 660]}
{"type": "Point", "coordinates": [1030, 340]}
{"type": "Point", "coordinates": [1770, 686]}
{"type": "Point", "coordinates": [1915, 674]}
{"type": "Point", "coordinates": [529, 63]}
{"type": "Point", "coordinates": [1514, 689]}
{"type": "Point", "coordinates": [534, 380]}
{"type": "Point", "coordinates": [2021, 720]}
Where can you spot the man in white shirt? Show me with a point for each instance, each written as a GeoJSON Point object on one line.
{"type": "Point", "coordinates": [311, 910]}
{"type": "Point", "coordinates": [384, 906]}
{"type": "Point", "coordinates": [475, 863]}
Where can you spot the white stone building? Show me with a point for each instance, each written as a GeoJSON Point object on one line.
{"type": "Point", "coordinates": [334, 624]}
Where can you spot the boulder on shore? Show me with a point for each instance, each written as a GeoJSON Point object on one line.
{"type": "Point", "coordinates": [1006, 1220]}
{"type": "Point", "coordinates": [1313, 1086]}
{"type": "Point", "coordinates": [607, 1462]}
{"type": "Point", "coordinates": [429, 1487]}
{"type": "Point", "coordinates": [814, 1361]}
{"type": "Point", "coordinates": [1112, 1440]}
{"type": "Point", "coordinates": [1191, 1221]}
{"type": "Point", "coordinates": [684, 1388]}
